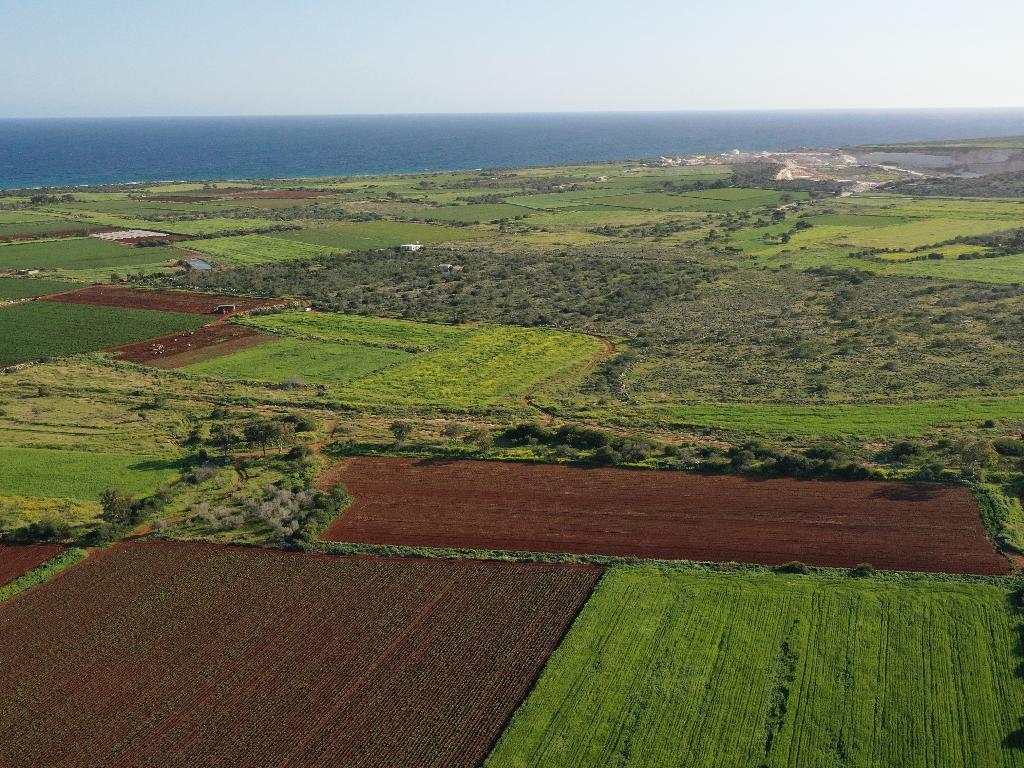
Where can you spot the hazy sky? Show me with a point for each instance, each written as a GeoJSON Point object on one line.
{"type": "Point", "coordinates": [231, 57]}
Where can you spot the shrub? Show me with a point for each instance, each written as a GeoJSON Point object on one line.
{"type": "Point", "coordinates": [794, 566]}
{"type": "Point", "coordinates": [863, 570]}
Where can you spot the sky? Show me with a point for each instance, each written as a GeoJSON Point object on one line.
{"type": "Point", "coordinates": [64, 58]}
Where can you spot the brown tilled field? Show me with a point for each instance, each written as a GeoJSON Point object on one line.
{"type": "Point", "coordinates": [669, 515]}
{"type": "Point", "coordinates": [180, 349]}
{"type": "Point", "coordinates": [17, 561]}
{"type": "Point", "coordinates": [167, 301]}
{"type": "Point", "coordinates": [172, 655]}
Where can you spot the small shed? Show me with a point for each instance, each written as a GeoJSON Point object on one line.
{"type": "Point", "coordinates": [223, 309]}
{"type": "Point", "coordinates": [410, 247]}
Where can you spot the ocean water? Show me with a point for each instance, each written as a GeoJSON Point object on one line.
{"type": "Point", "coordinates": [67, 152]}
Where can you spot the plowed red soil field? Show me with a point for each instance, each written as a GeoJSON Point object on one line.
{"type": "Point", "coordinates": [17, 561]}
{"type": "Point", "coordinates": [178, 349]}
{"type": "Point", "coordinates": [167, 301]}
{"type": "Point", "coordinates": [670, 515]}
{"type": "Point", "coordinates": [176, 655]}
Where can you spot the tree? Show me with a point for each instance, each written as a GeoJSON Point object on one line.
{"type": "Point", "coordinates": [225, 437]}
{"type": "Point", "coordinates": [401, 430]}
{"type": "Point", "coordinates": [452, 430]}
{"type": "Point", "coordinates": [118, 507]}
{"type": "Point", "coordinates": [265, 432]}
{"type": "Point", "coordinates": [481, 438]}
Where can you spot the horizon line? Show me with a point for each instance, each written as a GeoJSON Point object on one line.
{"type": "Point", "coordinates": [524, 113]}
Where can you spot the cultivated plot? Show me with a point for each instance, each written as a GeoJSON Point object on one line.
{"type": "Point", "coordinates": [41, 329]}
{"type": "Point", "coordinates": [681, 670]}
{"type": "Point", "coordinates": [176, 655]}
{"type": "Point", "coordinates": [666, 515]}
{"type": "Point", "coordinates": [167, 301]}
{"type": "Point", "coordinates": [15, 562]}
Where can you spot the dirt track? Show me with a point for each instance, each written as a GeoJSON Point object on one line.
{"type": "Point", "coordinates": [670, 515]}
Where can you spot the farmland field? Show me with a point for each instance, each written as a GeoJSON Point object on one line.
{"type": "Point", "coordinates": [314, 362]}
{"type": "Point", "coordinates": [26, 288]}
{"type": "Point", "coordinates": [179, 349]}
{"type": "Point", "coordinates": [368, 360]}
{"type": "Point", "coordinates": [166, 301]}
{"type": "Point", "coordinates": [52, 329]}
{"type": "Point", "coordinates": [480, 213]}
{"type": "Point", "coordinates": [376, 234]}
{"type": "Point", "coordinates": [184, 655]}
{"type": "Point", "coordinates": [667, 670]}
{"type": "Point", "coordinates": [79, 253]}
{"type": "Point", "coordinates": [19, 560]}
{"type": "Point", "coordinates": [373, 331]}
{"type": "Point", "coordinates": [256, 249]}
{"type": "Point", "coordinates": [80, 475]}
{"type": "Point", "coordinates": [666, 515]}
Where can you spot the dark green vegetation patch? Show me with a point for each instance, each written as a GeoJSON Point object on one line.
{"type": "Point", "coordinates": [42, 329]}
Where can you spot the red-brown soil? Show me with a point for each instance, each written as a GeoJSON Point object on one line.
{"type": "Point", "coordinates": [178, 349]}
{"type": "Point", "coordinates": [167, 301]}
{"type": "Point", "coordinates": [670, 515]}
{"type": "Point", "coordinates": [17, 561]}
{"type": "Point", "coordinates": [164, 655]}
{"type": "Point", "coordinates": [182, 198]}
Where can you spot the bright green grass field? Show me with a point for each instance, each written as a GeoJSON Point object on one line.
{"type": "Point", "coordinates": [877, 420]}
{"type": "Point", "coordinates": [314, 362]}
{"type": "Point", "coordinates": [360, 329]}
{"type": "Point", "coordinates": [480, 369]}
{"type": "Point", "coordinates": [469, 214]}
{"type": "Point", "coordinates": [244, 250]}
{"type": "Point", "coordinates": [27, 287]}
{"type": "Point", "coordinates": [741, 671]}
{"type": "Point", "coordinates": [52, 329]}
{"type": "Point", "coordinates": [78, 253]}
{"type": "Point", "coordinates": [377, 234]}
{"type": "Point", "coordinates": [370, 361]}
{"type": "Point", "coordinates": [79, 475]}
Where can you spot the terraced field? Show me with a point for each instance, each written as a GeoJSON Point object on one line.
{"type": "Point", "coordinates": [731, 671]}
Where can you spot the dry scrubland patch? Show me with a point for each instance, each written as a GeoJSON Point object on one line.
{"type": "Point", "coordinates": [174, 655]}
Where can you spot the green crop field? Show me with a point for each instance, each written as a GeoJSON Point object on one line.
{"type": "Point", "coordinates": [377, 234]}
{"type": "Point", "coordinates": [255, 249]}
{"type": "Point", "coordinates": [79, 475]}
{"type": "Point", "coordinates": [28, 287]}
{"type": "Point", "coordinates": [479, 369]}
{"type": "Point", "coordinates": [725, 671]}
{"type": "Point", "coordinates": [52, 329]}
{"type": "Point", "coordinates": [372, 331]}
{"type": "Point", "coordinates": [79, 253]}
{"type": "Point", "coordinates": [314, 362]}
{"type": "Point", "coordinates": [480, 213]}
{"type": "Point", "coordinates": [369, 360]}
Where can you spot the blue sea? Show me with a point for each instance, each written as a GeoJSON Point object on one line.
{"type": "Point", "coordinates": [69, 152]}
